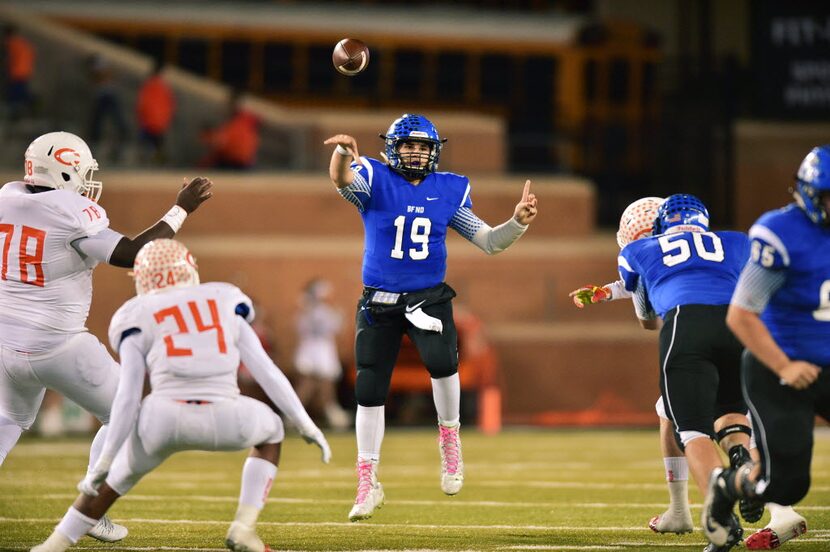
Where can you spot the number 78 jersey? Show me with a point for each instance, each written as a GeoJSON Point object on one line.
{"type": "Point", "coordinates": [686, 268]}
{"type": "Point", "coordinates": [188, 336]}
{"type": "Point", "coordinates": [405, 225]}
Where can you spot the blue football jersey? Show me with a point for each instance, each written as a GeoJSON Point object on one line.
{"type": "Point", "coordinates": [405, 225]}
{"type": "Point", "coordinates": [686, 268]}
{"type": "Point", "coordinates": [798, 313]}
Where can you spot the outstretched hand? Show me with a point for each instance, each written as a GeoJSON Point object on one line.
{"type": "Point", "coordinates": [589, 294]}
{"type": "Point", "coordinates": [313, 435]}
{"type": "Point", "coordinates": [526, 209]}
{"type": "Point", "coordinates": [194, 193]}
{"type": "Point", "coordinates": [346, 142]}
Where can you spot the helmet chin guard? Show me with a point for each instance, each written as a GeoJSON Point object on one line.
{"type": "Point", "coordinates": [164, 264]}
{"type": "Point", "coordinates": [62, 161]}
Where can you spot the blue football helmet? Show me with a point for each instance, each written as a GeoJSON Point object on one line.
{"type": "Point", "coordinates": [681, 213]}
{"type": "Point", "coordinates": [813, 179]}
{"type": "Point", "coordinates": [412, 128]}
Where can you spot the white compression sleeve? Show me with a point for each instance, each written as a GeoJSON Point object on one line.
{"type": "Point", "coordinates": [495, 240]}
{"type": "Point", "coordinates": [618, 290]}
{"type": "Point", "coordinates": [100, 246]}
{"type": "Point", "coordinates": [271, 378]}
{"type": "Point", "coordinates": [127, 400]}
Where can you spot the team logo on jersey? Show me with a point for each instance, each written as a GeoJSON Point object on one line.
{"type": "Point", "coordinates": [64, 156]}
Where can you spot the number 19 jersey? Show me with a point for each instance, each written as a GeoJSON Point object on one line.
{"type": "Point", "coordinates": [405, 225]}
{"type": "Point", "coordinates": [686, 268]}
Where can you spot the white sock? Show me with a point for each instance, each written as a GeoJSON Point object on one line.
{"type": "Point", "coordinates": [776, 511]}
{"type": "Point", "coordinates": [677, 478]}
{"type": "Point", "coordinates": [257, 476]}
{"type": "Point", "coordinates": [677, 468]}
{"type": "Point", "coordinates": [446, 392]}
{"type": "Point", "coordinates": [9, 434]}
{"type": "Point", "coordinates": [369, 424]}
{"type": "Point", "coordinates": [75, 525]}
{"type": "Point", "coordinates": [97, 446]}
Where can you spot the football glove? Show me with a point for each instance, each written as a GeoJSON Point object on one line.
{"type": "Point", "coordinates": [89, 484]}
{"type": "Point", "coordinates": [315, 436]}
{"type": "Point", "coordinates": [590, 294]}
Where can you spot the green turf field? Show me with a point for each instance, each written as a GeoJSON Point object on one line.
{"type": "Point", "coordinates": [524, 490]}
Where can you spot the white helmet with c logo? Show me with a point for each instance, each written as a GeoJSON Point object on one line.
{"type": "Point", "coordinates": [62, 161]}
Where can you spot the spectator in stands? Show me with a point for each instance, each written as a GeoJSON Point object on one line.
{"type": "Point", "coordinates": [234, 143]}
{"type": "Point", "coordinates": [20, 65]}
{"type": "Point", "coordinates": [155, 107]}
{"type": "Point", "coordinates": [316, 358]}
{"type": "Point", "coordinates": [106, 110]}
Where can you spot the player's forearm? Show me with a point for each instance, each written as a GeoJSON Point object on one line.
{"type": "Point", "coordinates": [753, 333]}
{"type": "Point", "coordinates": [125, 406]}
{"type": "Point", "coordinates": [339, 169]}
{"type": "Point", "coordinates": [617, 290]}
{"type": "Point", "coordinates": [495, 240]}
{"type": "Point", "coordinates": [124, 253]}
{"type": "Point", "coordinates": [271, 378]}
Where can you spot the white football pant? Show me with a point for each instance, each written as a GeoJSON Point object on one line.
{"type": "Point", "coordinates": [81, 369]}
{"type": "Point", "coordinates": [166, 425]}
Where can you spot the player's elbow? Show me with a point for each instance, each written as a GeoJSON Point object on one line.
{"type": "Point", "coordinates": [650, 324]}
{"type": "Point", "coordinates": [737, 318]}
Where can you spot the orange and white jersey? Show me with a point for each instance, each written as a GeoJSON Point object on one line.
{"type": "Point", "coordinates": [44, 282]}
{"type": "Point", "coordinates": [188, 336]}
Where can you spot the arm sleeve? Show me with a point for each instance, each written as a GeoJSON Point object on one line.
{"type": "Point", "coordinates": [756, 286]}
{"type": "Point", "coordinates": [642, 304]}
{"type": "Point", "coordinates": [490, 240]}
{"type": "Point", "coordinates": [127, 400]}
{"type": "Point", "coordinates": [271, 378]}
{"type": "Point", "coordinates": [100, 246]}
{"type": "Point", "coordinates": [618, 290]}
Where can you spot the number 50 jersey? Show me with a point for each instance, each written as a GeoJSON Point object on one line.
{"type": "Point", "coordinates": [188, 336]}
{"type": "Point", "coordinates": [686, 268]}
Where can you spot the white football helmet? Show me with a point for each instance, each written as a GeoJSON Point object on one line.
{"type": "Point", "coordinates": [62, 161]}
{"type": "Point", "coordinates": [637, 221]}
{"type": "Point", "coordinates": [164, 264]}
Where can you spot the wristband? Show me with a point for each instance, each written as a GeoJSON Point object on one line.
{"type": "Point", "coordinates": [175, 218]}
{"type": "Point", "coordinates": [341, 150]}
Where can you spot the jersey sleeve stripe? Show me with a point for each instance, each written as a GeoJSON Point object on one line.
{"type": "Point", "coordinates": [764, 233]}
{"type": "Point", "coordinates": [466, 194]}
{"type": "Point", "coordinates": [369, 170]}
{"type": "Point", "coordinates": [623, 263]}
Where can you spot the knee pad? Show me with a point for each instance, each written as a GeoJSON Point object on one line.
{"type": "Point", "coordinates": [442, 371]}
{"type": "Point", "coordinates": [660, 408]}
{"type": "Point", "coordinates": [369, 389]}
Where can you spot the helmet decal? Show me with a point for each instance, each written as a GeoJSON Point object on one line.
{"type": "Point", "coordinates": [62, 161]}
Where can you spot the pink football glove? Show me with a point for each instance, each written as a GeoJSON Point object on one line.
{"type": "Point", "coordinates": [590, 294]}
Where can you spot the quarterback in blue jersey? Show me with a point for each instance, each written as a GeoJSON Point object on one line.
{"type": "Point", "coordinates": [407, 207]}
{"type": "Point", "coordinates": [686, 274]}
{"type": "Point", "coordinates": [781, 313]}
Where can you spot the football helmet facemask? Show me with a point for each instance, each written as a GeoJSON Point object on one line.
{"type": "Point", "coordinates": [681, 213]}
{"type": "Point", "coordinates": [62, 161]}
{"type": "Point", "coordinates": [637, 221]}
{"type": "Point", "coordinates": [164, 264]}
{"type": "Point", "coordinates": [813, 180]}
{"type": "Point", "coordinates": [412, 128]}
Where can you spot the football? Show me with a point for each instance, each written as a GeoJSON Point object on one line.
{"type": "Point", "coordinates": [350, 56]}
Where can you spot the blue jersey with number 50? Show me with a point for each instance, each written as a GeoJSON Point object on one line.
{"type": "Point", "coordinates": [686, 268]}
{"type": "Point", "coordinates": [798, 313]}
{"type": "Point", "coordinates": [405, 225]}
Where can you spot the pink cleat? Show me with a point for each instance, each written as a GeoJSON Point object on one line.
{"type": "Point", "coordinates": [452, 466]}
{"type": "Point", "coordinates": [369, 491]}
